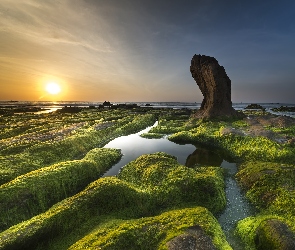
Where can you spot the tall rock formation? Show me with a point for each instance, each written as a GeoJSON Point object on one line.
{"type": "Point", "coordinates": [215, 86]}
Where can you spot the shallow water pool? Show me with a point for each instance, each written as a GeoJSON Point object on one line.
{"type": "Point", "coordinates": [133, 146]}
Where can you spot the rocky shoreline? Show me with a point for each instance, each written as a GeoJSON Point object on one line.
{"type": "Point", "coordinates": [155, 201]}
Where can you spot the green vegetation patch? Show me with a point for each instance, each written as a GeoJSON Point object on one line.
{"type": "Point", "coordinates": [104, 196]}
{"type": "Point", "coordinates": [94, 133]}
{"type": "Point", "coordinates": [153, 232]}
{"type": "Point", "coordinates": [35, 192]}
{"type": "Point", "coordinates": [237, 146]}
{"type": "Point", "coordinates": [174, 184]}
{"type": "Point", "coordinates": [271, 187]}
{"type": "Point", "coordinates": [146, 187]}
{"type": "Point", "coordinates": [247, 229]}
{"type": "Point", "coordinates": [152, 135]}
{"type": "Point", "coordinates": [171, 122]}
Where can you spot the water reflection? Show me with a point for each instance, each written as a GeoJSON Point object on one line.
{"type": "Point", "coordinates": [133, 146]}
{"type": "Point", "coordinates": [202, 156]}
{"type": "Point", "coordinates": [237, 208]}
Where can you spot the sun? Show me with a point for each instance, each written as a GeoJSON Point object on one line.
{"type": "Point", "coordinates": [53, 88]}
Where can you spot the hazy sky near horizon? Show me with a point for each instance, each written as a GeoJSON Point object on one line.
{"type": "Point", "coordinates": [140, 50]}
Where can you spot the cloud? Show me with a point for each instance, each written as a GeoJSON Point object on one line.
{"type": "Point", "coordinates": [143, 48]}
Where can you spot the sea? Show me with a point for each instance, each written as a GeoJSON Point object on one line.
{"type": "Point", "coordinates": [48, 106]}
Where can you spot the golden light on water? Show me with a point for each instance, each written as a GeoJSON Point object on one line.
{"type": "Point", "coordinates": [53, 88]}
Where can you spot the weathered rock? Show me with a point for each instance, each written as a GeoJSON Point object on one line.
{"type": "Point", "coordinates": [274, 235]}
{"type": "Point", "coordinates": [233, 131]}
{"type": "Point", "coordinates": [215, 86]}
{"type": "Point", "coordinates": [284, 109]}
{"type": "Point", "coordinates": [194, 239]}
{"type": "Point", "coordinates": [254, 106]}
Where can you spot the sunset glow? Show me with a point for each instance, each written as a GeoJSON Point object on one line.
{"type": "Point", "coordinates": [53, 88]}
{"type": "Point", "coordinates": [141, 51]}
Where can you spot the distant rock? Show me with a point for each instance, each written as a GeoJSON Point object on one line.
{"type": "Point", "coordinates": [107, 104]}
{"type": "Point", "coordinates": [273, 234]}
{"type": "Point", "coordinates": [69, 109]}
{"type": "Point", "coordinates": [254, 106]}
{"type": "Point", "coordinates": [215, 86]}
{"type": "Point", "coordinates": [284, 109]}
{"type": "Point", "coordinates": [194, 238]}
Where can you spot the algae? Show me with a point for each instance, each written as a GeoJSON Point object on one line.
{"type": "Point", "coordinates": [125, 197]}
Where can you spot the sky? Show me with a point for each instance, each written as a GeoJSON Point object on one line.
{"type": "Point", "coordinates": [141, 50]}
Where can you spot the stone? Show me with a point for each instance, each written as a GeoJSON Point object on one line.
{"type": "Point", "coordinates": [273, 234]}
{"type": "Point", "coordinates": [215, 86]}
{"type": "Point", "coordinates": [254, 106]}
{"type": "Point", "coordinates": [193, 239]}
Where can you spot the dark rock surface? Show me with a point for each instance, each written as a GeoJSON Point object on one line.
{"type": "Point", "coordinates": [194, 239]}
{"type": "Point", "coordinates": [254, 106]}
{"type": "Point", "coordinates": [274, 235]}
{"type": "Point", "coordinates": [215, 86]}
{"type": "Point", "coordinates": [284, 109]}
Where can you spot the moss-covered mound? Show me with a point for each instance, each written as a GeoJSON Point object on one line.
{"type": "Point", "coordinates": [274, 234]}
{"type": "Point", "coordinates": [174, 184]}
{"type": "Point", "coordinates": [241, 147]}
{"type": "Point", "coordinates": [35, 192]}
{"type": "Point", "coordinates": [33, 150]}
{"type": "Point", "coordinates": [104, 196]}
{"type": "Point", "coordinates": [152, 135]}
{"type": "Point", "coordinates": [271, 187]}
{"type": "Point", "coordinates": [152, 232]}
{"type": "Point", "coordinates": [145, 187]}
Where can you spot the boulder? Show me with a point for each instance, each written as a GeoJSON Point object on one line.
{"type": "Point", "coordinates": [215, 86]}
{"type": "Point", "coordinates": [193, 239]}
{"type": "Point", "coordinates": [254, 106]}
{"type": "Point", "coordinates": [273, 234]}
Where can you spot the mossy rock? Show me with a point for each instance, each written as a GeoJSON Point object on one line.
{"type": "Point", "coordinates": [193, 238]}
{"type": "Point", "coordinates": [152, 135]}
{"type": "Point", "coordinates": [154, 233]}
{"type": "Point", "coordinates": [147, 186]}
{"type": "Point", "coordinates": [273, 234]}
{"type": "Point", "coordinates": [258, 231]}
{"type": "Point", "coordinates": [75, 145]}
{"type": "Point", "coordinates": [254, 106]}
{"type": "Point", "coordinates": [102, 197]}
{"type": "Point", "coordinates": [174, 184]}
{"type": "Point", "coordinates": [35, 192]}
{"type": "Point", "coordinates": [269, 185]}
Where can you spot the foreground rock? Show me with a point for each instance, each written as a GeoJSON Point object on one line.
{"type": "Point", "coordinates": [215, 86]}
{"type": "Point", "coordinates": [274, 234]}
{"type": "Point", "coordinates": [194, 238]}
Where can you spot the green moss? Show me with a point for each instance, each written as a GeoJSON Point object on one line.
{"type": "Point", "coordinates": [35, 192]}
{"type": "Point", "coordinates": [286, 131]}
{"type": "Point", "coordinates": [147, 186]}
{"type": "Point", "coordinates": [73, 146]}
{"type": "Point", "coordinates": [240, 147]}
{"type": "Point", "coordinates": [104, 196]}
{"type": "Point", "coordinates": [247, 227]}
{"type": "Point", "coordinates": [171, 122]}
{"type": "Point", "coordinates": [271, 187]}
{"type": "Point", "coordinates": [152, 232]}
{"type": "Point", "coordinates": [175, 184]}
{"type": "Point", "coordinates": [152, 135]}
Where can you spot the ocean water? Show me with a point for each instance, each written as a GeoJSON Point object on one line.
{"type": "Point", "coordinates": [52, 106]}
